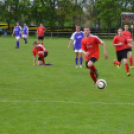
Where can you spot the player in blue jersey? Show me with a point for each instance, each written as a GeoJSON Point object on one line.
{"type": "Point", "coordinates": [76, 38]}
{"type": "Point", "coordinates": [17, 31]}
{"type": "Point", "coordinates": [25, 32]}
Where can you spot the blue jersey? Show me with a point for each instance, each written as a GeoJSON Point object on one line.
{"type": "Point", "coordinates": [77, 37]}
{"type": "Point", "coordinates": [25, 29]}
{"type": "Point", "coordinates": [17, 30]}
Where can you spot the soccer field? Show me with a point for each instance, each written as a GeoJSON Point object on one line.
{"type": "Point", "coordinates": [62, 99]}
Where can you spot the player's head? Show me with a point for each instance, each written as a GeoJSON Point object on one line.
{"type": "Point", "coordinates": [35, 44]}
{"type": "Point", "coordinates": [78, 28]}
{"type": "Point", "coordinates": [126, 27]}
{"type": "Point", "coordinates": [87, 30]}
{"type": "Point", "coordinates": [17, 23]}
{"type": "Point", "coordinates": [25, 24]}
{"type": "Point", "coordinates": [41, 24]}
{"type": "Point", "coordinates": [120, 31]}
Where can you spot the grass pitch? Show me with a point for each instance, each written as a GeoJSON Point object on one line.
{"type": "Point", "coordinates": [61, 99]}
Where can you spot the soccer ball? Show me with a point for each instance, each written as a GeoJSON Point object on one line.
{"type": "Point", "coordinates": [101, 84]}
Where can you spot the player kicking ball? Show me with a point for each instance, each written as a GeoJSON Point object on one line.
{"type": "Point", "coordinates": [41, 52]}
{"type": "Point", "coordinates": [77, 37]}
{"type": "Point", "coordinates": [25, 33]}
{"type": "Point", "coordinates": [128, 35]}
{"type": "Point", "coordinates": [17, 31]}
{"type": "Point", "coordinates": [120, 43]}
{"type": "Point", "coordinates": [90, 48]}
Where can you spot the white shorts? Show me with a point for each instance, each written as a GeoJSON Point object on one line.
{"type": "Point", "coordinates": [17, 38]}
{"type": "Point", "coordinates": [78, 50]}
{"type": "Point", "coordinates": [24, 36]}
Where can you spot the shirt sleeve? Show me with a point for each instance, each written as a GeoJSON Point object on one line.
{"type": "Point", "coordinates": [34, 54]}
{"type": "Point", "coordinates": [98, 41]}
{"type": "Point", "coordinates": [114, 40]}
{"type": "Point", "coordinates": [72, 37]}
{"type": "Point", "coordinates": [37, 29]}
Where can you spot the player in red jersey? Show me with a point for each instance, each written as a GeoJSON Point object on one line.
{"type": "Point", "coordinates": [127, 34]}
{"type": "Point", "coordinates": [120, 43]}
{"type": "Point", "coordinates": [41, 52]}
{"type": "Point", "coordinates": [40, 33]}
{"type": "Point", "coordinates": [90, 48]}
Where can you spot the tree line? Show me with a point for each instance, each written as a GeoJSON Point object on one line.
{"type": "Point", "coordinates": [101, 14]}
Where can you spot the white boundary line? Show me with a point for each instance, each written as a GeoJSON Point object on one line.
{"type": "Point", "coordinates": [90, 103]}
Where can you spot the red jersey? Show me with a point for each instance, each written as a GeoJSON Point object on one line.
{"type": "Point", "coordinates": [128, 35]}
{"type": "Point", "coordinates": [117, 39]}
{"type": "Point", "coordinates": [36, 50]}
{"type": "Point", "coordinates": [91, 45]}
{"type": "Point", "coordinates": [41, 31]}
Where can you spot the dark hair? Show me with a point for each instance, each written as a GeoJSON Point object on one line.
{"type": "Point", "coordinates": [87, 27]}
{"type": "Point", "coordinates": [35, 42]}
{"type": "Point", "coordinates": [78, 25]}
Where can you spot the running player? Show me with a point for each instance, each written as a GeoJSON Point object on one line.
{"type": "Point", "coordinates": [17, 31]}
{"type": "Point", "coordinates": [120, 43]}
{"type": "Point", "coordinates": [128, 35]}
{"type": "Point", "coordinates": [41, 52]}
{"type": "Point", "coordinates": [40, 33]}
{"type": "Point", "coordinates": [25, 33]}
{"type": "Point", "coordinates": [77, 37]}
{"type": "Point", "coordinates": [90, 47]}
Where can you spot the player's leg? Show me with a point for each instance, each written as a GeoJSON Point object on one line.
{"type": "Point", "coordinates": [17, 42]}
{"type": "Point", "coordinates": [42, 41]}
{"type": "Point", "coordinates": [76, 58]}
{"type": "Point", "coordinates": [130, 54]}
{"type": "Point", "coordinates": [119, 58]}
{"type": "Point", "coordinates": [41, 58]}
{"type": "Point", "coordinates": [124, 57]}
{"type": "Point", "coordinates": [81, 59]}
{"type": "Point", "coordinates": [92, 69]}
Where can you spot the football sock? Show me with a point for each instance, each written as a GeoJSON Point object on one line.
{"type": "Point", "coordinates": [131, 61]}
{"type": "Point", "coordinates": [81, 60]}
{"type": "Point", "coordinates": [18, 44]}
{"type": "Point", "coordinates": [93, 77]}
{"type": "Point", "coordinates": [76, 61]}
{"type": "Point", "coordinates": [93, 68]}
{"type": "Point", "coordinates": [127, 67]}
{"type": "Point", "coordinates": [116, 62]}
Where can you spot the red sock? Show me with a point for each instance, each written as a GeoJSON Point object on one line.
{"type": "Point", "coordinates": [38, 43]}
{"type": "Point", "coordinates": [93, 68]}
{"type": "Point", "coordinates": [93, 77]}
{"type": "Point", "coordinates": [42, 44]}
{"type": "Point", "coordinates": [127, 67]}
{"type": "Point", "coordinates": [131, 61]}
{"type": "Point", "coordinates": [42, 57]}
{"type": "Point", "coordinates": [116, 62]}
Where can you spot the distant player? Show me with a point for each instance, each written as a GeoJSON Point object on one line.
{"type": "Point", "coordinates": [120, 43]}
{"type": "Point", "coordinates": [128, 35]}
{"type": "Point", "coordinates": [41, 52]}
{"type": "Point", "coordinates": [77, 37]}
{"type": "Point", "coordinates": [90, 47]}
{"type": "Point", "coordinates": [40, 33]}
{"type": "Point", "coordinates": [25, 32]}
{"type": "Point", "coordinates": [17, 31]}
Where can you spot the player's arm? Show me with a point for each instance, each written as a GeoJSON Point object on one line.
{"type": "Point", "coordinates": [118, 44]}
{"type": "Point", "coordinates": [37, 33]}
{"type": "Point", "coordinates": [27, 31]}
{"type": "Point", "coordinates": [105, 50]}
{"type": "Point", "coordinates": [71, 41]}
{"type": "Point", "coordinates": [34, 60]}
{"type": "Point", "coordinates": [13, 32]}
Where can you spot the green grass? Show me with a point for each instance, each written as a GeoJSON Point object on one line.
{"type": "Point", "coordinates": [61, 99]}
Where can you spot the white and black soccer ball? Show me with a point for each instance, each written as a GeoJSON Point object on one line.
{"type": "Point", "coordinates": [101, 84]}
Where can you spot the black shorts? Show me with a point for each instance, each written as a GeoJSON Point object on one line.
{"type": "Point", "coordinates": [41, 38]}
{"type": "Point", "coordinates": [121, 54]}
{"type": "Point", "coordinates": [93, 59]}
{"type": "Point", "coordinates": [129, 49]}
{"type": "Point", "coordinates": [45, 55]}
